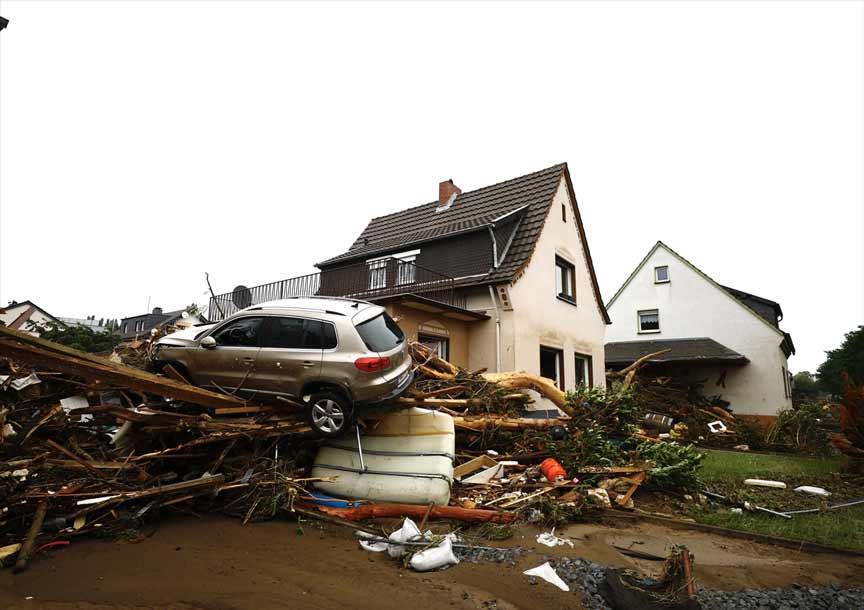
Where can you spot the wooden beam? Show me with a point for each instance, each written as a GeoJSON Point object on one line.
{"type": "Point", "coordinates": [90, 368]}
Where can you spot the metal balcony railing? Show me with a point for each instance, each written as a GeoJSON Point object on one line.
{"type": "Point", "coordinates": [367, 281]}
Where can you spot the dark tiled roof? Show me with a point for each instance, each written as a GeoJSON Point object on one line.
{"type": "Point", "coordinates": [700, 349]}
{"type": "Point", "coordinates": [767, 309]}
{"type": "Point", "coordinates": [473, 211]}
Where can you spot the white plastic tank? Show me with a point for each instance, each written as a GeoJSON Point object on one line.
{"type": "Point", "coordinates": [407, 457]}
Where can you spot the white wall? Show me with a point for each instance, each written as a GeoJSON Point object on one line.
{"type": "Point", "coordinates": [691, 306]}
{"type": "Point", "coordinates": [540, 318]}
{"type": "Point", "coordinates": [11, 314]}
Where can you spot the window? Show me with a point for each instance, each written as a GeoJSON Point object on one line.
{"type": "Point", "coordinates": [405, 270]}
{"type": "Point", "coordinates": [381, 333]}
{"type": "Point", "coordinates": [552, 365]}
{"type": "Point", "coordinates": [440, 346]}
{"type": "Point", "coordinates": [240, 333]}
{"type": "Point", "coordinates": [565, 280]}
{"type": "Point", "coordinates": [139, 326]}
{"type": "Point", "coordinates": [584, 375]}
{"type": "Point", "coordinates": [786, 391]}
{"type": "Point", "coordinates": [563, 212]}
{"type": "Point", "coordinates": [125, 328]}
{"type": "Point", "coordinates": [661, 274]}
{"type": "Point", "coordinates": [378, 274]}
{"type": "Point", "coordinates": [649, 321]}
{"type": "Point", "coordinates": [298, 333]}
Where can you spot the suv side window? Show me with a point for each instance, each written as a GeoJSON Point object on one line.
{"type": "Point", "coordinates": [299, 333]}
{"type": "Point", "coordinates": [240, 333]}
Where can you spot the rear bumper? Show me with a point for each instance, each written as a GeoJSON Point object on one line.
{"type": "Point", "coordinates": [398, 386]}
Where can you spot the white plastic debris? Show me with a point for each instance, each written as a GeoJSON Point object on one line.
{"type": "Point", "coordinates": [548, 573]}
{"type": "Point", "coordinates": [716, 426]}
{"type": "Point", "coordinates": [551, 540]}
{"type": "Point", "coordinates": [736, 511]}
{"type": "Point", "coordinates": [813, 491]}
{"type": "Point", "coordinates": [95, 500]}
{"type": "Point", "coordinates": [600, 497]}
{"type": "Point", "coordinates": [74, 402]}
{"type": "Point", "coordinates": [407, 533]}
{"type": "Point", "coordinates": [20, 384]}
{"type": "Point", "coordinates": [435, 558]}
{"type": "Point", "coordinates": [374, 546]}
{"type": "Point", "coordinates": [8, 431]}
{"type": "Point", "coordinates": [765, 483]}
{"type": "Point", "coordinates": [485, 475]}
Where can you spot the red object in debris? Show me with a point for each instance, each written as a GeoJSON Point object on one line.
{"type": "Point", "coordinates": [51, 544]}
{"type": "Point", "coordinates": [552, 470]}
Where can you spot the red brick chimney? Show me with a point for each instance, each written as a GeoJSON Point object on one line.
{"type": "Point", "coordinates": [445, 190]}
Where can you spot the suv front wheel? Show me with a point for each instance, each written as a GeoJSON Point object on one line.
{"type": "Point", "coordinates": [329, 413]}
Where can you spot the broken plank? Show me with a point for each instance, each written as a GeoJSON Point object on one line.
{"type": "Point", "coordinates": [107, 373]}
{"type": "Point", "coordinates": [233, 410]}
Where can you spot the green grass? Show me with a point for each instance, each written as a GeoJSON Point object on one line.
{"type": "Point", "coordinates": [843, 528]}
{"type": "Point", "coordinates": [729, 465]}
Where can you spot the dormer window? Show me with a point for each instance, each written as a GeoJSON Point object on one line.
{"type": "Point", "coordinates": [661, 274]}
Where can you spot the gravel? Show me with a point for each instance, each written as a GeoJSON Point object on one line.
{"type": "Point", "coordinates": [489, 555]}
{"type": "Point", "coordinates": [586, 577]}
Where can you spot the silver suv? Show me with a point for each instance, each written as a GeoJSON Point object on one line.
{"type": "Point", "coordinates": [328, 353]}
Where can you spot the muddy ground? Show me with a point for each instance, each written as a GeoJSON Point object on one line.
{"type": "Point", "coordinates": [215, 563]}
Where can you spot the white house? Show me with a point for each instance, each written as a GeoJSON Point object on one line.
{"type": "Point", "coordinates": [497, 278]}
{"type": "Point", "coordinates": [17, 315]}
{"type": "Point", "coordinates": [728, 338]}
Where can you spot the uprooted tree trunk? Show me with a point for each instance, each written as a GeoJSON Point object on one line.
{"type": "Point", "coordinates": [525, 381]}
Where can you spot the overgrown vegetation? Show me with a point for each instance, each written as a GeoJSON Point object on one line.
{"type": "Point", "coordinates": [803, 427]}
{"type": "Point", "coordinates": [77, 337]}
{"type": "Point", "coordinates": [849, 358]}
{"type": "Point", "coordinates": [674, 467]}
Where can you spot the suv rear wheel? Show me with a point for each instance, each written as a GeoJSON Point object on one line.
{"type": "Point", "coordinates": [330, 413]}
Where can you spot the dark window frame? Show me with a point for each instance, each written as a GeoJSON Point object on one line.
{"type": "Point", "coordinates": [559, 356]}
{"type": "Point", "coordinates": [564, 212]}
{"type": "Point", "coordinates": [588, 368]}
{"type": "Point", "coordinates": [565, 269]}
{"type": "Point", "coordinates": [269, 327]}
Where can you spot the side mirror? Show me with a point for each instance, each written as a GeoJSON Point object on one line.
{"type": "Point", "coordinates": [208, 342]}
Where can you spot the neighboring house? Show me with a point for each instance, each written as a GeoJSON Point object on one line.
{"type": "Point", "coordinates": [86, 323]}
{"type": "Point", "coordinates": [16, 315]}
{"type": "Point", "coordinates": [727, 337]}
{"type": "Point", "coordinates": [139, 327]}
{"type": "Point", "coordinates": [499, 278]}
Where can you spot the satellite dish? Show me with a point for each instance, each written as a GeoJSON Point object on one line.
{"type": "Point", "coordinates": [241, 297]}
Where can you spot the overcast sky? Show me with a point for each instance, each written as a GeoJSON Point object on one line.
{"type": "Point", "coordinates": [142, 144]}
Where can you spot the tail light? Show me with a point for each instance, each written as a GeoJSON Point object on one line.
{"type": "Point", "coordinates": [372, 365]}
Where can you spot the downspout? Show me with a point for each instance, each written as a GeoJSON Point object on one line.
{"type": "Point", "coordinates": [497, 330]}
{"type": "Point", "coordinates": [495, 302]}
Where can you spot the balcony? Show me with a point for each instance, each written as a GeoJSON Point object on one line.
{"type": "Point", "coordinates": [370, 281]}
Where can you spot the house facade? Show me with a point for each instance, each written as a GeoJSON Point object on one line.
{"type": "Point", "coordinates": [498, 278]}
{"type": "Point", "coordinates": [16, 315]}
{"type": "Point", "coordinates": [140, 326]}
{"type": "Point", "coordinates": [729, 339]}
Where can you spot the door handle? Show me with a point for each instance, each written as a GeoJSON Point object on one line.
{"type": "Point", "coordinates": [247, 360]}
{"type": "Point", "coordinates": [308, 363]}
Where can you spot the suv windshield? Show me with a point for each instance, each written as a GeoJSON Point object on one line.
{"type": "Point", "coordinates": [381, 333]}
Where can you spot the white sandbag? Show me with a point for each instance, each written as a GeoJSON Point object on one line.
{"type": "Point", "coordinates": [408, 532]}
{"type": "Point", "coordinates": [435, 558]}
{"type": "Point", "coordinates": [813, 491]}
{"type": "Point", "coordinates": [764, 483]}
{"type": "Point", "coordinates": [548, 573]}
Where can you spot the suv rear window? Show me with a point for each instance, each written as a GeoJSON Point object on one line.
{"type": "Point", "coordinates": [299, 333]}
{"type": "Point", "coordinates": [381, 333]}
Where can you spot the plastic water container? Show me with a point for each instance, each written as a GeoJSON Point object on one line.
{"type": "Point", "coordinates": [407, 458]}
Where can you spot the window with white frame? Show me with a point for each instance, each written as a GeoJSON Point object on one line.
{"type": "Point", "coordinates": [583, 370]}
{"type": "Point", "coordinates": [661, 274]}
{"type": "Point", "coordinates": [406, 271]}
{"type": "Point", "coordinates": [377, 274]}
{"type": "Point", "coordinates": [649, 321]}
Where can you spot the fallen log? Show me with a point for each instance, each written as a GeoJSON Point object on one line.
{"type": "Point", "coordinates": [29, 541]}
{"type": "Point", "coordinates": [526, 381]}
{"type": "Point", "coordinates": [633, 367]}
{"type": "Point", "coordinates": [414, 511]}
{"type": "Point", "coordinates": [426, 357]}
{"type": "Point", "coordinates": [104, 373]}
{"type": "Point", "coordinates": [502, 422]}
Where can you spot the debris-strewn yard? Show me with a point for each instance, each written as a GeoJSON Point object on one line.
{"type": "Point", "coordinates": [724, 471]}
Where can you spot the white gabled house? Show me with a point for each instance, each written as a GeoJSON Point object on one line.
{"type": "Point", "coordinates": [727, 338]}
